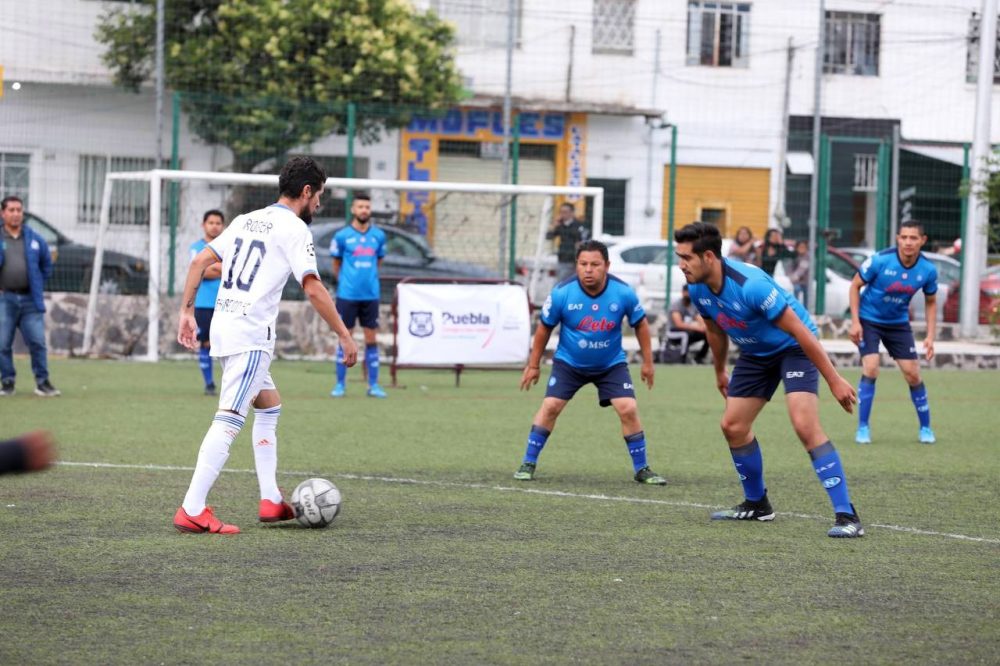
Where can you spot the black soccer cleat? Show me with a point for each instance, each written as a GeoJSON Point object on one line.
{"type": "Point", "coordinates": [748, 510]}
{"type": "Point", "coordinates": [45, 389]}
{"type": "Point", "coordinates": [646, 475]}
{"type": "Point", "coordinates": [526, 472]}
{"type": "Point", "coordinates": [847, 526]}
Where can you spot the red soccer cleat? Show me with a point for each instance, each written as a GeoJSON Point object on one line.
{"type": "Point", "coordinates": [273, 512]}
{"type": "Point", "coordinates": [203, 522]}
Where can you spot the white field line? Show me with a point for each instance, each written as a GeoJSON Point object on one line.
{"type": "Point", "coordinates": [526, 491]}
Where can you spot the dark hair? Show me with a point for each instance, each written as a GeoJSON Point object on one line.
{"type": "Point", "coordinates": [10, 199]}
{"type": "Point", "coordinates": [703, 236]}
{"type": "Point", "coordinates": [297, 173]}
{"type": "Point", "coordinates": [592, 246]}
{"type": "Point", "coordinates": [912, 223]}
{"type": "Point", "coordinates": [361, 195]}
{"type": "Point", "coordinates": [567, 204]}
{"type": "Point", "coordinates": [210, 213]}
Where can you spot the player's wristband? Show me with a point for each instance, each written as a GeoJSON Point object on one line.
{"type": "Point", "coordinates": [534, 367]}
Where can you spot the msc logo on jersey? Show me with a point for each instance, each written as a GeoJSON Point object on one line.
{"type": "Point", "coordinates": [421, 324]}
{"type": "Point", "coordinates": [832, 482]}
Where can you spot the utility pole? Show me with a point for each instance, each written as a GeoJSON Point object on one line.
{"type": "Point", "coordinates": [816, 132]}
{"type": "Point", "coordinates": [779, 206]}
{"type": "Point", "coordinates": [975, 239]}
{"type": "Point", "coordinates": [651, 127]}
{"type": "Point", "coordinates": [505, 152]}
{"type": "Point", "coordinates": [159, 82]}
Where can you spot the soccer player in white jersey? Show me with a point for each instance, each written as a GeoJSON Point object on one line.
{"type": "Point", "coordinates": [258, 251]}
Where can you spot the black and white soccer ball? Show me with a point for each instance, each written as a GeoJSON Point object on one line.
{"type": "Point", "coordinates": [316, 502]}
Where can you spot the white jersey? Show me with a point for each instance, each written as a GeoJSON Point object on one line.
{"type": "Point", "coordinates": [258, 251]}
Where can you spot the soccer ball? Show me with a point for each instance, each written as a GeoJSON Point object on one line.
{"type": "Point", "coordinates": [316, 502]}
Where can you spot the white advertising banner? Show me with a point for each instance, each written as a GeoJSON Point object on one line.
{"type": "Point", "coordinates": [468, 324]}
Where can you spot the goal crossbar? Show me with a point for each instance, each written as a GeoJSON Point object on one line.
{"type": "Point", "coordinates": [156, 178]}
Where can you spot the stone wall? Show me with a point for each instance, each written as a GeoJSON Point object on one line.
{"type": "Point", "coordinates": [121, 326]}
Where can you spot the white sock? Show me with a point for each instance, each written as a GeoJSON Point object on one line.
{"type": "Point", "coordinates": [265, 451]}
{"type": "Point", "coordinates": [211, 459]}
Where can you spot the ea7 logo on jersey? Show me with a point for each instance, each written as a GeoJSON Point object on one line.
{"type": "Point", "coordinates": [794, 374]}
{"type": "Point", "coordinates": [421, 324]}
{"type": "Point", "coordinates": [574, 306]}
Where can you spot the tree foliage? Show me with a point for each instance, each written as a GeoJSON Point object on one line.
{"type": "Point", "coordinates": [264, 76]}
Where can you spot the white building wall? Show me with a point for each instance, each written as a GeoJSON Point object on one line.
{"type": "Point", "coordinates": [725, 116]}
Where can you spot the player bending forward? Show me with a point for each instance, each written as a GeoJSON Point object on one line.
{"type": "Point", "coordinates": [258, 251]}
{"type": "Point", "coordinates": [777, 342]}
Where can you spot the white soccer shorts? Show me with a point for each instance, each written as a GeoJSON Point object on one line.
{"type": "Point", "coordinates": [243, 377]}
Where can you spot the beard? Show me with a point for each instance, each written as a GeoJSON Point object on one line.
{"type": "Point", "coordinates": [363, 218]}
{"type": "Point", "coordinates": [306, 216]}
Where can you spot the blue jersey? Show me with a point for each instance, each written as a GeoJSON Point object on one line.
{"type": "Point", "coordinates": [889, 286]}
{"type": "Point", "coordinates": [591, 334]}
{"type": "Point", "coordinates": [359, 253]}
{"type": "Point", "coordinates": [209, 289]}
{"type": "Point", "coordinates": [747, 307]}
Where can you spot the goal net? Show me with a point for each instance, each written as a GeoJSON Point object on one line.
{"type": "Point", "coordinates": [437, 230]}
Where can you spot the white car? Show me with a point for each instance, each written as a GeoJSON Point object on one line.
{"type": "Point", "coordinates": [630, 258]}
{"type": "Point", "coordinates": [949, 273]}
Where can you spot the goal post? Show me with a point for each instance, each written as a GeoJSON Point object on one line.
{"type": "Point", "coordinates": [461, 220]}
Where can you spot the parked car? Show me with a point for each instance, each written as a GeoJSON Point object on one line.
{"type": "Point", "coordinates": [989, 299]}
{"type": "Point", "coordinates": [949, 273]}
{"type": "Point", "coordinates": [629, 261]}
{"type": "Point", "coordinates": [840, 269]}
{"type": "Point", "coordinates": [643, 265]}
{"type": "Point", "coordinates": [406, 255]}
{"type": "Point", "coordinates": [72, 264]}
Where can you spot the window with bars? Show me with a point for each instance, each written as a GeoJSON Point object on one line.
{"type": "Point", "coordinates": [15, 169]}
{"type": "Point", "coordinates": [614, 26]}
{"type": "Point", "coordinates": [718, 34]}
{"type": "Point", "coordinates": [615, 191]}
{"type": "Point", "coordinates": [480, 22]}
{"type": "Point", "coordinates": [852, 43]}
{"type": "Point", "coordinates": [972, 56]}
{"type": "Point", "coordinates": [129, 199]}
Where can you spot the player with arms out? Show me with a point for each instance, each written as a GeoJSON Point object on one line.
{"type": "Point", "coordinates": [590, 307]}
{"type": "Point", "coordinates": [258, 252]}
{"type": "Point", "coordinates": [357, 251]}
{"type": "Point", "coordinates": [212, 223]}
{"type": "Point", "coordinates": [882, 313]}
{"type": "Point", "coordinates": [777, 340]}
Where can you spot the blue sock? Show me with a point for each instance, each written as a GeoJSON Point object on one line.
{"type": "Point", "coordinates": [371, 362]}
{"type": "Point", "coordinates": [866, 395]}
{"type": "Point", "coordinates": [918, 394]}
{"type": "Point", "coordinates": [341, 368]}
{"type": "Point", "coordinates": [749, 465]}
{"type": "Point", "coordinates": [536, 442]}
{"type": "Point", "coordinates": [205, 363]}
{"type": "Point", "coordinates": [826, 462]}
{"type": "Point", "coordinates": [636, 444]}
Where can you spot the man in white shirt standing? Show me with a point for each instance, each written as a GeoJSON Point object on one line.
{"type": "Point", "coordinates": [258, 251]}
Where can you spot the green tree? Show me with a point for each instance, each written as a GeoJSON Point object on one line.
{"type": "Point", "coordinates": [263, 76]}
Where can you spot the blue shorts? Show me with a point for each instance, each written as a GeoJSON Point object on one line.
{"type": "Point", "coordinates": [759, 376]}
{"type": "Point", "coordinates": [897, 338]}
{"type": "Point", "coordinates": [203, 317]}
{"type": "Point", "coordinates": [352, 311]}
{"type": "Point", "coordinates": [565, 381]}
